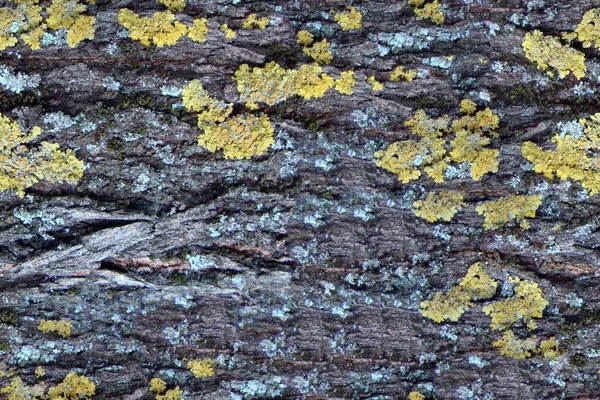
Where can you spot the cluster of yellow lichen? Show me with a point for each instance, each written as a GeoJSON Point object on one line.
{"type": "Point", "coordinates": [174, 5]}
{"type": "Point", "coordinates": [406, 158]}
{"type": "Point", "coordinates": [21, 167]}
{"type": "Point", "coordinates": [160, 29]}
{"type": "Point", "coordinates": [572, 158]}
{"type": "Point", "coordinates": [476, 285]}
{"type": "Point", "coordinates": [73, 387]}
{"type": "Point", "coordinates": [320, 52]}
{"type": "Point", "coordinates": [469, 144]}
{"type": "Point", "coordinates": [345, 85]}
{"type": "Point", "coordinates": [400, 73]}
{"type": "Point", "coordinates": [527, 303]}
{"type": "Point", "coordinates": [159, 387]}
{"type": "Point", "coordinates": [549, 52]}
{"type": "Point", "coordinates": [415, 396]}
{"type": "Point", "coordinates": [588, 30]}
{"type": "Point", "coordinates": [241, 136]}
{"type": "Point", "coordinates": [227, 31]}
{"type": "Point", "coordinates": [272, 84]}
{"type": "Point", "coordinates": [61, 326]}
{"type": "Point", "coordinates": [431, 10]}
{"type": "Point", "coordinates": [375, 84]}
{"type": "Point", "coordinates": [509, 209]}
{"type": "Point", "coordinates": [439, 206]}
{"type": "Point", "coordinates": [25, 19]}
{"type": "Point", "coordinates": [202, 368]}
{"type": "Point", "coordinates": [349, 20]}
{"type": "Point", "coordinates": [253, 22]}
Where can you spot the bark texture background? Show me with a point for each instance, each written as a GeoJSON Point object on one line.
{"type": "Point", "coordinates": [300, 271]}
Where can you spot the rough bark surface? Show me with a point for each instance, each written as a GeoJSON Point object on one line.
{"type": "Point", "coordinates": [300, 271]}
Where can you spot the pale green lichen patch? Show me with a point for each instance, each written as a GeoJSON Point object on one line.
{"type": "Point", "coordinates": [439, 206]}
{"type": "Point", "coordinates": [549, 52]}
{"type": "Point", "coordinates": [509, 209]}
{"type": "Point", "coordinates": [573, 157]}
{"type": "Point", "coordinates": [21, 167]}
{"type": "Point", "coordinates": [476, 285]}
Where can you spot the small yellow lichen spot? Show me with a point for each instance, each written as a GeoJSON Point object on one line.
{"type": "Point", "coordinates": [253, 22]}
{"type": "Point", "coordinates": [202, 368]}
{"type": "Point", "coordinates": [229, 33]}
{"type": "Point", "coordinates": [548, 51]}
{"type": "Point", "coordinates": [511, 346]}
{"type": "Point", "coordinates": [174, 5]}
{"type": "Point", "coordinates": [160, 29]}
{"type": "Point", "coordinates": [171, 394]}
{"type": "Point", "coordinates": [468, 107]}
{"type": "Point", "coordinates": [349, 20]}
{"type": "Point", "coordinates": [345, 85]}
{"type": "Point", "coordinates": [158, 386]}
{"type": "Point", "coordinates": [476, 285]}
{"type": "Point", "coordinates": [432, 11]}
{"type": "Point", "coordinates": [549, 348]}
{"type": "Point", "coordinates": [310, 82]}
{"type": "Point", "coordinates": [320, 52]}
{"type": "Point", "coordinates": [509, 209]}
{"type": "Point", "coordinates": [39, 371]}
{"type": "Point", "coordinates": [83, 28]}
{"type": "Point", "coordinates": [527, 303]}
{"type": "Point", "coordinates": [62, 327]}
{"type": "Point", "coordinates": [242, 136]}
{"type": "Point", "coordinates": [588, 30]}
{"type": "Point", "coordinates": [376, 85]}
{"type": "Point", "coordinates": [73, 387]}
{"type": "Point", "coordinates": [415, 396]}
{"type": "Point", "coordinates": [439, 206]}
{"type": "Point", "coordinates": [305, 38]}
{"type": "Point", "coordinates": [426, 127]}
{"type": "Point", "coordinates": [400, 73]}
{"type": "Point", "coordinates": [197, 32]}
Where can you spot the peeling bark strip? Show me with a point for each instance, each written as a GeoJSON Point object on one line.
{"type": "Point", "coordinates": [299, 199]}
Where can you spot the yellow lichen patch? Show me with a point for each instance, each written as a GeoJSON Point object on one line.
{"type": "Point", "coordinates": [305, 38]}
{"type": "Point", "coordinates": [527, 303]}
{"type": "Point", "coordinates": [439, 206]}
{"type": "Point", "coordinates": [66, 14]}
{"type": "Point", "coordinates": [171, 394]}
{"type": "Point", "coordinates": [272, 84]}
{"type": "Point", "coordinates": [509, 209]}
{"type": "Point", "coordinates": [470, 140]}
{"type": "Point", "coordinates": [349, 20]}
{"type": "Point", "coordinates": [320, 52]}
{"type": "Point", "coordinates": [210, 111]}
{"type": "Point", "coordinates": [21, 167]}
{"type": "Point", "coordinates": [415, 396]}
{"type": "Point", "coordinates": [400, 73]}
{"type": "Point", "coordinates": [242, 136]}
{"type": "Point", "coordinates": [512, 346]}
{"type": "Point", "coordinates": [432, 10]}
{"type": "Point", "coordinates": [18, 390]}
{"type": "Point", "coordinates": [160, 29]}
{"type": "Point", "coordinates": [345, 85]}
{"type": "Point", "coordinates": [73, 387]}
{"type": "Point", "coordinates": [62, 327]}
{"type": "Point", "coordinates": [375, 85]}
{"type": "Point", "coordinates": [573, 157]}
{"type": "Point", "coordinates": [197, 32]}
{"type": "Point", "coordinates": [253, 22]}
{"type": "Point", "coordinates": [229, 33]}
{"type": "Point", "coordinates": [548, 52]}
{"type": "Point", "coordinates": [24, 19]}
{"type": "Point", "coordinates": [476, 285]}
{"type": "Point", "coordinates": [549, 348]}
{"type": "Point", "coordinates": [39, 371]}
{"type": "Point", "coordinates": [202, 368]}
{"type": "Point", "coordinates": [406, 158]}
{"type": "Point", "coordinates": [588, 30]}
{"type": "Point", "coordinates": [158, 386]}
{"type": "Point", "coordinates": [174, 5]}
